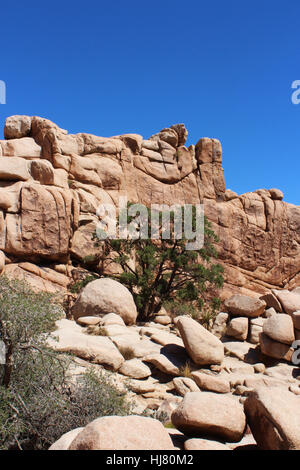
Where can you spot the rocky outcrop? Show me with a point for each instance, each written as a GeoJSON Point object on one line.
{"type": "Point", "coordinates": [52, 182]}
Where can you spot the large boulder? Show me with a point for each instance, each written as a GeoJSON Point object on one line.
{"type": "Point", "coordinates": [202, 346]}
{"type": "Point", "coordinates": [238, 328]}
{"type": "Point", "coordinates": [211, 383]}
{"type": "Point", "coordinates": [290, 301]}
{"type": "Point", "coordinates": [274, 416]}
{"type": "Point", "coordinates": [104, 296]}
{"type": "Point", "coordinates": [245, 306]}
{"type": "Point", "coordinates": [280, 328]}
{"type": "Point", "coordinates": [202, 414]}
{"type": "Point", "coordinates": [123, 433]}
{"type": "Point", "coordinates": [275, 349]}
{"type": "Point", "coordinates": [17, 127]}
{"type": "Point", "coordinates": [14, 169]}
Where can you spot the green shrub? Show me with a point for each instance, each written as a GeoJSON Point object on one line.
{"type": "Point", "coordinates": [77, 286]}
{"type": "Point", "coordinates": [38, 400]}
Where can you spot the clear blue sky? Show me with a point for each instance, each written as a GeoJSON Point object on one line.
{"type": "Point", "coordinates": [224, 68]}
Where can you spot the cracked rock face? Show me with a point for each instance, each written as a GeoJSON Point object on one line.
{"type": "Point", "coordinates": [52, 182]}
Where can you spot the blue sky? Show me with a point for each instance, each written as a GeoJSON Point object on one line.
{"type": "Point", "coordinates": [224, 68]}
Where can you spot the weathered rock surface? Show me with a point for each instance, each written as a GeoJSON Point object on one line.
{"type": "Point", "coordinates": [208, 414]}
{"type": "Point", "coordinates": [123, 433]}
{"type": "Point", "coordinates": [274, 417]}
{"type": "Point", "coordinates": [104, 296]}
{"type": "Point", "coordinates": [259, 233]}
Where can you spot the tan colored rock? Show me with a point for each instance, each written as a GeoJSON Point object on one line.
{"type": "Point", "coordinates": [255, 331]}
{"type": "Point", "coordinates": [276, 194]}
{"type": "Point", "coordinates": [14, 169]}
{"type": "Point", "coordinates": [163, 319]}
{"type": "Point", "coordinates": [212, 383]}
{"type": "Point", "coordinates": [202, 346]}
{"type": "Point", "coordinates": [140, 348]}
{"type": "Point", "coordinates": [135, 368]}
{"type": "Point", "coordinates": [204, 444]}
{"type": "Point", "coordinates": [280, 328]}
{"type": "Point", "coordinates": [142, 386]}
{"type": "Point", "coordinates": [245, 306]}
{"type": "Point", "coordinates": [269, 312]}
{"type": "Point", "coordinates": [45, 279]}
{"type": "Point", "coordinates": [243, 351]}
{"type": "Point", "coordinates": [105, 296]}
{"type": "Point", "coordinates": [112, 319]}
{"type": "Point", "coordinates": [238, 328]}
{"type": "Point", "coordinates": [43, 227]}
{"type": "Point", "coordinates": [26, 148]}
{"type": "Point", "coordinates": [96, 349]}
{"type": "Point", "coordinates": [213, 415]}
{"type": "Point", "coordinates": [183, 385]}
{"type": "Point", "coordinates": [164, 338]}
{"type": "Point", "coordinates": [17, 127]}
{"type": "Point", "coordinates": [171, 360]}
{"type": "Point", "coordinates": [290, 301]}
{"type": "Point", "coordinates": [65, 440]}
{"type": "Point", "coordinates": [274, 349]}
{"type": "Point", "coordinates": [123, 433]}
{"type": "Point", "coordinates": [220, 324]}
{"type": "Point", "coordinates": [88, 321]}
{"type": "Point", "coordinates": [272, 301]}
{"type": "Point", "coordinates": [274, 416]}
{"type": "Point", "coordinates": [296, 319]}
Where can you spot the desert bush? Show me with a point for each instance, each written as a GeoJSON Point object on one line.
{"type": "Point", "coordinates": [38, 400]}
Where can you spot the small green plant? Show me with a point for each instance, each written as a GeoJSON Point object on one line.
{"type": "Point", "coordinates": [209, 312]}
{"type": "Point", "coordinates": [169, 425]}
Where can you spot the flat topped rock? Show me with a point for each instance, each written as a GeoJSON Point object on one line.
{"type": "Point", "coordinates": [242, 305]}
{"type": "Point", "coordinates": [72, 338]}
{"type": "Point", "coordinates": [210, 414]}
